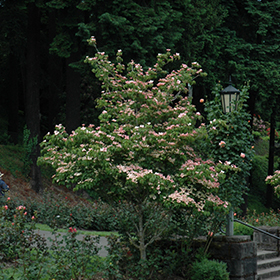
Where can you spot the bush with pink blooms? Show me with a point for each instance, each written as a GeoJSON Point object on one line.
{"type": "Point", "coordinates": [274, 180]}
{"type": "Point", "coordinates": [143, 152]}
{"type": "Point", "coordinates": [17, 230]}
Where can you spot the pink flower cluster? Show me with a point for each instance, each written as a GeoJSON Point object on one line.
{"type": "Point", "coordinates": [182, 196]}
{"type": "Point", "coordinates": [134, 172]}
{"type": "Point", "coordinates": [216, 200]}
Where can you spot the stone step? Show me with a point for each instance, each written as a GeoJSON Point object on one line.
{"type": "Point", "coordinates": [268, 264]}
{"type": "Point", "coordinates": [262, 255]}
{"type": "Point", "coordinates": [269, 273]}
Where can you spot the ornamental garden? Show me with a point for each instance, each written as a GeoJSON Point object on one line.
{"type": "Point", "coordinates": [159, 173]}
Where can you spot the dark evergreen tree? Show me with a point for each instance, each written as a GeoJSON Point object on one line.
{"type": "Point", "coordinates": [253, 54]}
{"type": "Point", "coordinates": [12, 42]}
{"type": "Point", "coordinates": [32, 93]}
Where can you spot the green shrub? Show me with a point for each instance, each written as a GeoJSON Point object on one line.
{"type": "Point", "coordinates": [240, 229]}
{"type": "Point", "coordinates": [60, 212]}
{"type": "Point", "coordinates": [210, 270]}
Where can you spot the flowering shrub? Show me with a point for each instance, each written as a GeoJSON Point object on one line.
{"type": "Point", "coordinates": [143, 152]}
{"type": "Point", "coordinates": [67, 258]}
{"type": "Point", "coordinates": [60, 212]}
{"type": "Point", "coordinates": [73, 259]}
{"type": "Point", "coordinates": [274, 180]}
{"type": "Point", "coordinates": [259, 126]}
{"type": "Point", "coordinates": [268, 132]}
{"type": "Point", "coordinates": [16, 233]}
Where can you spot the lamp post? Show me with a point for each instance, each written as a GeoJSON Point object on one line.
{"type": "Point", "coordinates": [230, 97]}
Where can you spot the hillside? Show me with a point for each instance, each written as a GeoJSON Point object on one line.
{"type": "Point", "coordinates": [11, 165]}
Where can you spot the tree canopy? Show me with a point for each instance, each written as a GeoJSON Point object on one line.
{"type": "Point", "coordinates": [143, 153]}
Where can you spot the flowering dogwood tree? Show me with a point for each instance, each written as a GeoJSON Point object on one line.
{"type": "Point", "coordinates": [142, 152]}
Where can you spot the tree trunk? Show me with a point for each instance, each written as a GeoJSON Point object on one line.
{"type": "Point", "coordinates": [13, 100]}
{"type": "Point", "coordinates": [55, 77]}
{"type": "Point", "coordinates": [32, 96]}
{"type": "Point", "coordinates": [142, 247]}
{"type": "Point", "coordinates": [269, 188]}
{"type": "Point", "coordinates": [72, 95]}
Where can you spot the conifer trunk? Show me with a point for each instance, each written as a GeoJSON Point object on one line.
{"type": "Point", "coordinates": [32, 95]}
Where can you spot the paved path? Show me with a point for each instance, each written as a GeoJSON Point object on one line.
{"type": "Point", "coordinates": [102, 243]}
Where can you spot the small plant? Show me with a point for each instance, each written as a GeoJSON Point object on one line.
{"type": "Point", "coordinates": [210, 270]}
{"type": "Point", "coordinates": [73, 259]}
{"type": "Point", "coordinates": [29, 145]}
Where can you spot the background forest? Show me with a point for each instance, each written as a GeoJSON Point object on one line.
{"type": "Point", "coordinates": [43, 45]}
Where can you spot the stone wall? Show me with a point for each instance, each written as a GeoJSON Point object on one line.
{"type": "Point", "coordinates": [238, 252]}
{"type": "Point", "coordinates": [266, 242]}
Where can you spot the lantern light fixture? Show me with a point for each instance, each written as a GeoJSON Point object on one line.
{"type": "Point", "coordinates": [230, 97]}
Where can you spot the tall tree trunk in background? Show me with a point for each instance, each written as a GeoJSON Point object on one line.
{"type": "Point", "coordinates": [13, 98]}
{"type": "Point", "coordinates": [72, 94]}
{"type": "Point", "coordinates": [269, 188]}
{"type": "Point", "coordinates": [32, 96]}
{"type": "Point", "coordinates": [54, 74]}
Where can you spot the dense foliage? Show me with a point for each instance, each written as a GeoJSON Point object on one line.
{"type": "Point", "coordinates": [230, 140]}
